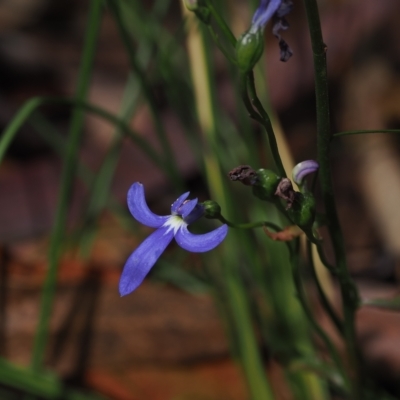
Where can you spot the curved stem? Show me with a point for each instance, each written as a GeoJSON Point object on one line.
{"type": "Point", "coordinates": [261, 116]}
{"type": "Point", "coordinates": [266, 122]}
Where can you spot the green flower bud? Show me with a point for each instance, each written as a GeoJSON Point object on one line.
{"type": "Point", "coordinates": [266, 183]}
{"type": "Point", "coordinates": [302, 212]}
{"type": "Point", "coordinates": [249, 49]}
{"type": "Point", "coordinates": [212, 209]}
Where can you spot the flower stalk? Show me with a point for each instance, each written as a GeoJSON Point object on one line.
{"type": "Point", "coordinates": [348, 290]}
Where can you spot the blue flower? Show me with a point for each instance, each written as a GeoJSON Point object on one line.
{"type": "Point", "coordinates": [183, 213]}
{"type": "Point", "coordinates": [276, 9]}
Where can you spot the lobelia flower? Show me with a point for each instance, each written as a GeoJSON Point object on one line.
{"type": "Point", "coordinates": [276, 9]}
{"type": "Point", "coordinates": [183, 213]}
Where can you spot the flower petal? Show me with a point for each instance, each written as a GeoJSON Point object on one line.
{"type": "Point", "coordinates": [195, 214]}
{"type": "Point", "coordinates": [138, 207]}
{"type": "Point", "coordinates": [200, 243]}
{"type": "Point", "coordinates": [264, 13]}
{"type": "Point", "coordinates": [302, 169]}
{"type": "Point", "coordinates": [178, 202]}
{"type": "Point", "coordinates": [187, 208]}
{"type": "Point", "coordinates": [142, 260]}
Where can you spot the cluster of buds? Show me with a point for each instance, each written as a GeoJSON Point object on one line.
{"type": "Point", "coordinates": [268, 186]}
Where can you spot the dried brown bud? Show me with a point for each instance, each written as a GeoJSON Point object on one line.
{"type": "Point", "coordinates": [285, 191]}
{"type": "Point", "coordinates": [243, 173]}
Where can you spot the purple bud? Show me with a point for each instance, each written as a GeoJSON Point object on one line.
{"type": "Point", "coordinates": [302, 169]}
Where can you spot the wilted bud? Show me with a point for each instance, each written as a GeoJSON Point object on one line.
{"type": "Point", "coordinates": [244, 174]}
{"type": "Point", "coordinates": [212, 209]}
{"type": "Point", "coordinates": [266, 184]}
{"type": "Point", "coordinates": [249, 49]}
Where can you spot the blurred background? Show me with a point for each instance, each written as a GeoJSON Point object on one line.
{"type": "Point", "coordinates": [166, 340]}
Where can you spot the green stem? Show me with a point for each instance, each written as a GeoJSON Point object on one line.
{"type": "Point", "coordinates": [324, 300]}
{"type": "Point", "coordinates": [314, 324]}
{"type": "Point", "coordinates": [359, 132]}
{"type": "Point", "coordinates": [219, 45]}
{"type": "Point", "coordinates": [249, 352]}
{"type": "Point", "coordinates": [237, 302]}
{"type": "Point", "coordinates": [266, 122]}
{"type": "Point", "coordinates": [41, 337]}
{"type": "Point", "coordinates": [348, 290]}
{"type": "Point", "coordinates": [250, 225]}
{"type": "Point", "coordinates": [222, 23]}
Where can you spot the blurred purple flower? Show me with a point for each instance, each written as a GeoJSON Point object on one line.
{"type": "Point", "coordinates": [302, 169]}
{"type": "Point", "coordinates": [183, 213]}
{"type": "Point", "coordinates": [276, 9]}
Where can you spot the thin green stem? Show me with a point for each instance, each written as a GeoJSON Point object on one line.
{"type": "Point", "coordinates": [266, 122]}
{"type": "Point", "coordinates": [348, 290]}
{"type": "Point", "coordinates": [309, 314]}
{"type": "Point", "coordinates": [219, 45]}
{"type": "Point", "coordinates": [249, 353]}
{"type": "Point", "coordinates": [388, 304]}
{"type": "Point", "coordinates": [250, 139]}
{"type": "Point", "coordinates": [360, 132]}
{"type": "Point", "coordinates": [41, 337]}
{"type": "Point", "coordinates": [250, 225]}
{"type": "Point", "coordinates": [324, 300]}
{"type": "Point", "coordinates": [237, 302]}
{"type": "Point", "coordinates": [221, 23]}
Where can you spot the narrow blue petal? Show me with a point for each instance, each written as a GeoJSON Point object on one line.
{"type": "Point", "coordinates": [142, 260]}
{"type": "Point", "coordinates": [195, 214]}
{"type": "Point", "coordinates": [178, 202]}
{"type": "Point", "coordinates": [138, 207]}
{"type": "Point", "coordinates": [200, 243]}
{"type": "Point", "coordinates": [261, 8]}
{"type": "Point", "coordinates": [187, 208]}
{"type": "Point", "coordinates": [265, 12]}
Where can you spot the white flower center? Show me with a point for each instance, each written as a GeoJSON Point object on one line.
{"type": "Point", "coordinates": [174, 222]}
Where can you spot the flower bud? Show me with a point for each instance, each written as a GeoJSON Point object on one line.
{"type": "Point", "coordinates": [249, 49]}
{"type": "Point", "coordinates": [302, 169]}
{"type": "Point", "coordinates": [212, 209]}
{"type": "Point", "coordinates": [302, 212]}
{"type": "Point", "coordinates": [266, 183]}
